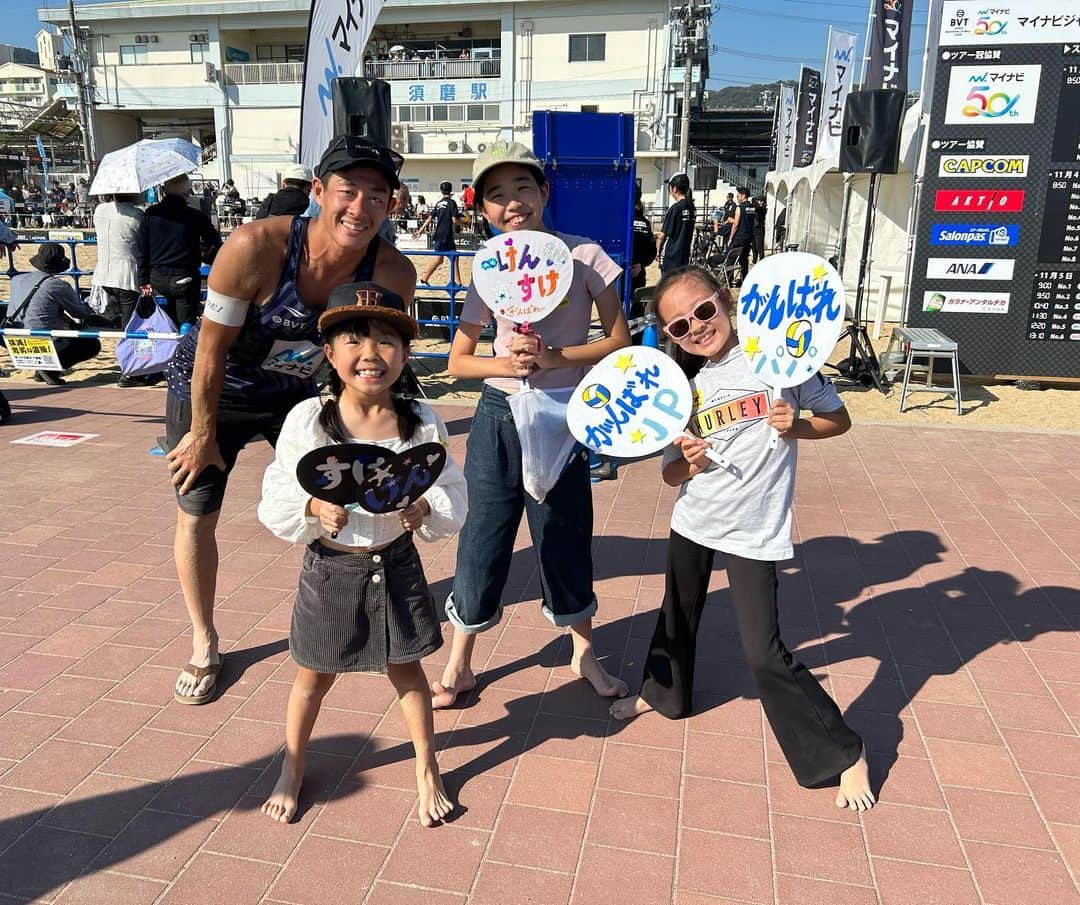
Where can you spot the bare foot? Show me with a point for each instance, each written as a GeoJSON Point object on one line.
{"type": "Point", "coordinates": [855, 791]}
{"type": "Point", "coordinates": [445, 693]}
{"type": "Point", "coordinates": [203, 653]}
{"type": "Point", "coordinates": [281, 805]}
{"type": "Point", "coordinates": [630, 707]}
{"type": "Point", "coordinates": [605, 684]}
{"type": "Point", "coordinates": [435, 804]}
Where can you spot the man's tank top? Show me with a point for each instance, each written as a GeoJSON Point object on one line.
{"type": "Point", "coordinates": [272, 363]}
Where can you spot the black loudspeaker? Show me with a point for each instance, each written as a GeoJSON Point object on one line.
{"type": "Point", "coordinates": [362, 107]}
{"type": "Point", "coordinates": [870, 140]}
{"type": "Point", "coordinates": [703, 177]}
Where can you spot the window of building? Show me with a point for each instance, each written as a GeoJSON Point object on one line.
{"type": "Point", "coordinates": [422, 113]}
{"type": "Point", "coordinates": [133, 54]}
{"type": "Point", "coordinates": [439, 113]}
{"type": "Point", "coordinates": [587, 48]}
{"type": "Point", "coordinates": [279, 53]}
{"type": "Point", "coordinates": [590, 108]}
{"type": "Point", "coordinates": [200, 52]}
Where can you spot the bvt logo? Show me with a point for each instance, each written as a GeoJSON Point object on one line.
{"type": "Point", "coordinates": [969, 268]}
{"type": "Point", "coordinates": [974, 234]}
{"type": "Point", "coordinates": [1008, 201]}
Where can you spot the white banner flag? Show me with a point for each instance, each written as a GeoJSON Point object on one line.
{"type": "Point", "coordinates": [839, 71]}
{"type": "Point", "coordinates": [338, 30]}
{"type": "Point", "coordinates": [786, 156]}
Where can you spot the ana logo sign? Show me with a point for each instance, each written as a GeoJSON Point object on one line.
{"type": "Point", "coordinates": [966, 302]}
{"type": "Point", "coordinates": [981, 165]}
{"type": "Point", "coordinates": [991, 202]}
{"type": "Point", "coordinates": [974, 234]}
{"type": "Point", "coordinates": [969, 268]}
{"type": "Point", "coordinates": [992, 95]}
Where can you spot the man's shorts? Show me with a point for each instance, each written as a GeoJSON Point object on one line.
{"type": "Point", "coordinates": [234, 431]}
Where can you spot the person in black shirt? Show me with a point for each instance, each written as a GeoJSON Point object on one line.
{"type": "Point", "coordinates": [169, 250]}
{"type": "Point", "coordinates": [294, 197]}
{"type": "Point", "coordinates": [643, 252]}
{"type": "Point", "coordinates": [446, 215]}
{"type": "Point", "coordinates": [760, 209]}
{"type": "Point", "coordinates": [677, 233]}
{"type": "Point", "coordinates": [742, 230]}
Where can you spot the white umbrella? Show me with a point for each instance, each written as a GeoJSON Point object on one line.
{"type": "Point", "coordinates": [143, 164]}
{"type": "Point", "coordinates": [396, 48]}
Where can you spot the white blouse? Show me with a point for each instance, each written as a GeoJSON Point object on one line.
{"type": "Point", "coordinates": [283, 507]}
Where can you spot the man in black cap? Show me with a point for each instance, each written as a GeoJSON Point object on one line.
{"type": "Point", "coordinates": [254, 353]}
{"type": "Point", "coordinates": [40, 300]}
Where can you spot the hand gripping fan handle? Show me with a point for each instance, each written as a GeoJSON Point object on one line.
{"type": "Point", "coordinates": [711, 454]}
{"type": "Point", "coordinates": [774, 434]}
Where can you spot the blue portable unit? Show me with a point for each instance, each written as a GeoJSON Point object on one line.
{"type": "Point", "coordinates": [589, 162]}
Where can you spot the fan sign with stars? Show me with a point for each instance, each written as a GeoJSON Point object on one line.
{"type": "Point", "coordinates": [377, 479]}
{"type": "Point", "coordinates": [524, 275]}
{"type": "Point", "coordinates": [632, 403]}
{"type": "Point", "coordinates": [790, 316]}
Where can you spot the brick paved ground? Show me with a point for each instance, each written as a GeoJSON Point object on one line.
{"type": "Point", "coordinates": [936, 586]}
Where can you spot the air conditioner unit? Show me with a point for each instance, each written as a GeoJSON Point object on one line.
{"type": "Point", "coordinates": [140, 39]}
{"type": "Point", "coordinates": [453, 147]}
{"type": "Point", "coordinates": [198, 37]}
{"type": "Point", "coordinates": [399, 138]}
{"type": "Point", "coordinates": [481, 148]}
{"type": "Point", "coordinates": [152, 39]}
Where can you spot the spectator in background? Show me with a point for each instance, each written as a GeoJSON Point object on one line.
{"type": "Point", "coordinates": [643, 252]}
{"type": "Point", "coordinates": [170, 255]}
{"type": "Point", "coordinates": [742, 230]}
{"type": "Point", "coordinates": [446, 215]}
{"type": "Point", "coordinates": [464, 55]}
{"type": "Point", "coordinates": [677, 233]}
{"type": "Point", "coordinates": [7, 204]}
{"type": "Point", "coordinates": [760, 209]}
{"type": "Point", "coordinates": [468, 197]}
{"type": "Point", "coordinates": [40, 300]}
{"type": "Point", "coordinates": [422, 209]}
{"type": "Point", "coordinates": [118, 223]}
{"type": "Point", "coordinates": [82, 202]}
{"type": "Point", "coordinates": [293, 198]}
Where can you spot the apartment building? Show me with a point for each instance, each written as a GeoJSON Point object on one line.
{"type": "Point", "coordinates": [227, 74]}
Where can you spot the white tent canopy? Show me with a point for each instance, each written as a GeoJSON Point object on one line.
{"type": "Point", "coordinates": [813, 198]}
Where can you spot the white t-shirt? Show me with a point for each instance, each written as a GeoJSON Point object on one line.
{"type": "Point", "coordinates": [746, 508]}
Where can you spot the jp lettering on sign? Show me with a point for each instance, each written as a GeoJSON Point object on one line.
{"type": "Point", "coordinates": [791, 311]}
{"type": "Point", "coordinates": [632, 403]}
{"type": "Point", "coordinates": [33, 353]}
{"type": "Point", "coordinates": [523, 276]}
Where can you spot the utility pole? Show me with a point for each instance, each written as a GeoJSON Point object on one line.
{"type": "Point", "coordinates": [688, 72]}
{"type": "Point", "coordinates": [78, 66]}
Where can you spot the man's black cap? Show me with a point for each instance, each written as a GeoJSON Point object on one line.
{"type": "Point", "coordinates": [353, 151]}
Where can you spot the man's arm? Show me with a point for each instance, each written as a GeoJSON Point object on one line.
{"type": "Point", "coordinates": [144, 251]}
{"type": "Point", "coordinates": [207, 233]}
{"type": "Point", "coordinates": [236, 277]}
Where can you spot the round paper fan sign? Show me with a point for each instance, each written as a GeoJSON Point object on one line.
{"type": "Point", "coordinates": [790, 316]}
{"type": "Point", "coordinates": [524, 275]}
{"type": "Point", "coordinates": [632, 403]}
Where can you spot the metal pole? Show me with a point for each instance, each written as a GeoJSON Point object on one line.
{"type": "Point", "coordinates": [78, 62]}
{"type": "Point", "coordinates": [688, 72]}
{"type": "Point", "coordinates": [866, 42]}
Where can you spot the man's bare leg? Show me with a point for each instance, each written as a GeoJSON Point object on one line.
{"type": "Point", "coordinates": [457, 677]}
{"type": "Point", "coordinates": [196, 554]}
{"type": "Point", "coordinates": [413, 695]}
{"type": "Point", "coordinates": [584, 663]}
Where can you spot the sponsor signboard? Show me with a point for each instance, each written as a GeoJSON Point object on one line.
{"type": "Point", "coordinates": [992, 95]}
{"type": "Point", "coordinates": [974, 234]}
{"type": "Point", "coordinates": [1022, 22]}
{"type": "Point", "coordinates": [990, 201]}
{"type": "Point", "coordinates": [983, 166]}
{"type": "Point", "coordinates": [969, 268]}
{"type": "Point", "coordinates": [947, 301]}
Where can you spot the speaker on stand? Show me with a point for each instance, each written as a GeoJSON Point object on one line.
{"type": "Point", "coordinates": [362, 107]}
{"type": "Point", "coordinates": [870, 143]}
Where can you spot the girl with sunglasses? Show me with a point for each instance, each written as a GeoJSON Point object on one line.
{"type": "Point", "coordinates": [744, 513]}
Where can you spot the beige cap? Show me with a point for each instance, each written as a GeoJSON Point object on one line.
{"type": "Point", "coordinates": [298, 172]}
{"type": "Point", "coordinates": [500, 152]}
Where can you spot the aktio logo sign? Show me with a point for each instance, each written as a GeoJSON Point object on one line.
{"type": "Point", "coordinates": [982, 166]}
{"type": "Point", "coordinates": [969, 268]}
{"type": "Point", "coordinates": [974, 234]}
{"type": "Point", "coordinates": [992, 95]}
{"type": "Point", "coordinates": [989, 201]}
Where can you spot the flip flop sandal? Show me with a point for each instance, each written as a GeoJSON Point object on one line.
{"type": "Point", "coordinates": [200, 673]}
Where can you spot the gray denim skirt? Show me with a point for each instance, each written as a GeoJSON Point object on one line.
{"type": "Point", "coordinates": [357, 612]}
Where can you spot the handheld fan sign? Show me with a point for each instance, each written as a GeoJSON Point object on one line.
{"type": "Point", "coordinates": [372, 477]}
{"type": "Point", "coordinates": [790, 316]}
{"type": "Point", "coordinates": [524, 275]}
{"type": "Point", "coordinates": [632, 403]}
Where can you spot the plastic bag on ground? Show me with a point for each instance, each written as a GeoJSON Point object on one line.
{"type": "Point", "coordinates": [546, 441]}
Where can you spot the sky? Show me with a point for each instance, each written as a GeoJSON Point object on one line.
{"type": "Point", "coordinates": [757, 40]}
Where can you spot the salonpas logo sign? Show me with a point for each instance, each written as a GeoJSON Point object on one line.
{"type": "Point", "coordinates": [982, 166]}
{"type": "Point", "coordinates": [969, 268]}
